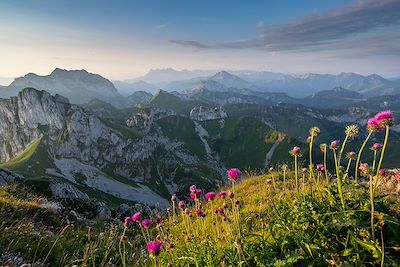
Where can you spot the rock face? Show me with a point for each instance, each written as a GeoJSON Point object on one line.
{"type": "Point", "coordinates": [79, 86]}
{"type": "Point", "coordinates": [76, 145]}
{"type": "Point", "coordinates": [143, 120]}
{"type": "Point", "coordinates": [204, 113]}
{"type": "Point", "coordinates": [9, 177]}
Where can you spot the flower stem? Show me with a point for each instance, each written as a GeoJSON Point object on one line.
{"type": "Point", "coordinates": [374, 162]}
{"type": "Point", "coordinates": [371, 199]}
{"type": "Point", "coordinates": [295, 173]}
{"type": "Point", "coordinates": [342, 149]}
{"type": "Point", "coordinates": [359, 155]}
{"type": "Point", "coordinates": [381, 157]}
{"type": "Point", "coordinates": [311, 158]}
{"type": "Point", "coordinates": [338, 180]}
{"type": "Point", "coordinates": [325, 169]}
{"type": "Point", "coordinates": [122, 253]}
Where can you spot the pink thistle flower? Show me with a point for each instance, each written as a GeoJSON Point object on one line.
{"type": "Point", "coordinates": [384, 118]}
{"type": "Point", "coordinates": [158, 219]}
{"type": "Point", "coordinates": [233, 174]}
{"type": "Point", "coordinates": [382, 172]}
{"type": "Point", "coordinates": [199, 193]}
{"type": "Point", "coordinates": [199, 213]}
{"type": "Point", "coordinates": [128, 221]}
{"type": "Point", "coordinates": [181, 204]}
{"type": "Point", "coordinates": [295, 151]}
{"type": "Point", "coordinates": [220, 211]}
{"type": "Point", "coordinates": [210, 196]}
{"type": "Point", "coordinates": [373, 125]}
{"type": "Point", "coordinates": [221, 194]}
{"type": "Point", "coordinates": [137, 216]}
{"type": "Point", "coordinates": [193, 188]}
{"type": "Point", "coordinates": [320, 167]}
{"type": "Point", "coordinates": [173, 198]}
{"type": "Point", "coordinates": [397, 176]}
{"type": "Point", "coordinates": [146, 223]}
{"type": "Point", "coordinates": [377, 146]}
{"type": "Point", "coordinates": [335, 144]}
{"type": "Point", "coordinates": [363, 167]}
{"type": "Point", "coordinates": [154, 248]}
{"type": "Point", "coordinates": [193, 195]}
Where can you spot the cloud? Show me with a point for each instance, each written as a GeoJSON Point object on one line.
{"type": "Point", "coordinates": [318, 32]}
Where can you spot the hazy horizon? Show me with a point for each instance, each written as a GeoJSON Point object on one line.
{"type": "Point", "coordinates": [126, 39]}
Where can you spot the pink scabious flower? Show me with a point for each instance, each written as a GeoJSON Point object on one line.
{"type": "Point", "coordinates": [137, 216]}
{"type": "Point", "coordinates": [193, 188]}
{"type": "Point", "coordinates": [221, 194]}
{"type": "Point", "coordinates": [376, 146]}
{"type": "Point", "coordinates": [335, 144]}
{"type": "Point", "coordinates": [210, 196]}
{"type": "Point", "coordinates": [233, 174]}
{"type": "Point", "coordinates": [363, 167]}
{"type": "Point", "coordinates": [154, 248]}
{"type": "Point", "coordinates": [373, 125]}
{"type": "Point", "coordinates": [193, 195]}
{"type": "Point", "coordinates": [295, 151]}
{"type": "Point", "coordinates": [128, 221]}
{"type": "Point", "coordinates": [382, 172]}
{"type": "Point", "coordinates": [181, 204]}
{"type": "Point", "coordinates": [320, 167]}
{"type": "Point", "coordinates": [146, 223]}
{"type": "Point", "coordinates": [384, 118]}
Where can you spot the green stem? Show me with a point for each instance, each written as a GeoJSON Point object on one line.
{"type": "Point", "coordinates": [284, 179]}
{"type": "Point", "coordinates": [347, 170]}
{"type": "Point", "coordinates": [311, 159]}
{"type": "Point", "coordinates": [381, 157]}
{"type": "Point", "coordinates": [342, 149]}
{"type": "Point", "coordinates": [325, 169]}
{"type": "Point", "coordinates": [295, 172]}
{"type": "Point", "coordinates": [338, 180]}
{"type": "Point", "coordinates": [374, 162]}
{"type": "Point", "coordinates": [122, 253]}
{"type": "Point", "coordinates": [273, 181]}
{"type": "Point", "coordinates": [359, 155]}
{"type": "Point", "coordinates": [371, 199]}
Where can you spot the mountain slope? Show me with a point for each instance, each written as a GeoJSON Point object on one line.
{"type": "Point", "coordinates": [79, 86]}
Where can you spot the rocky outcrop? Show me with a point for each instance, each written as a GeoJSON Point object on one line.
{"type": "Point", "coordinates": [205, 113]}
{"type": "Point", "coordinates": [9, 177]}
{"type": "Point", "coordinates": [144, 119]}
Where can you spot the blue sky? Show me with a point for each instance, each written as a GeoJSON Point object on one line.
{"type": "Point", "coordinates": [123, 39]}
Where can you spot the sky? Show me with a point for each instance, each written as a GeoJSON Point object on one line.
{"type": "Point", "coordinates": [124, 39]}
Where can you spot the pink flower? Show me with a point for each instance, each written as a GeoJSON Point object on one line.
{"type": "Point", "coordinates": [128, 221]}
{"type": "Point", "coordinates": [363, 167]}
{"type": "Point", "coordinates": [158, 219]}
{"type": "Point", "coordinates": [233, 174]}
{"type": "Point", "coordinates": [320, 167]}
{"type": "Point", "coordinates": [221, 194]}
{"type": "Point", "coordinates": [373, 125]}
{"type": "Point", "coordinates": [377, 146]}
{"type": "Point", "coordinates": [193, 188]}
{"type": "Point", "coordinates": [210, 196]}
{"type": "Point", "coordinates": [384, 118]}
{"type": "Point", "coordinates": [199, 193]}
{"type": "Point", "coordinates": [136, 217]}
{"type": "Point", "coordinates": [146, 224]}
{"type": "Point", "coordinates": [231, 194]}
{"type": "Point", "coordinates": [220, 211]}
{"type": "Point", "coordinates": [296, 151]}
{"type": "Point", "coordinates": [173, 197]}
{"type": "Point", "coordinates": [181, 204]}
{"type": "Point", "coordinates": [154, 248]}
{"type": "Point", "coordinates": [397, 176]}
{"type": "Point", "coordinates": [199, 213]}
{"type": "Point", "coordinates": [193, 195]}
{"type": "Point", "coordinates": [382, 172]}
{"type": "Point", "coordinates": [335, 144]}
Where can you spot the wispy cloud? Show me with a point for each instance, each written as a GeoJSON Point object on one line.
{"type": "Point", "coordinates": [319, 31]}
